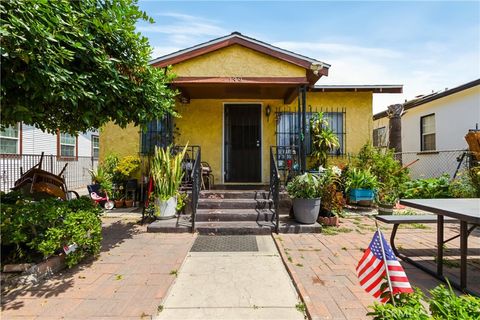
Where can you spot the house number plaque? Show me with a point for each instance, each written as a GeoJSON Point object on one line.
{"type": "Point", "coordinates": [236, 79]}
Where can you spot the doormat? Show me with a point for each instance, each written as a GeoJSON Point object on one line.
{"type": "Point", "coordinates": [205, 243]}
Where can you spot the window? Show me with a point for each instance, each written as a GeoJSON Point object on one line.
{"type": "Point", "coordinates": [9, 140]}
{"type": "Point", "coordinates": [427, 133]}
{"type": "Point", "coordinates": [158, 133]}
{"type": "Point", "coordinates": [380, 137]}
{"type": "Point", "coordinates": [68, 145]}
{"type": "Point", "coordinates": [95, 146]}
{"type": "Point", "coordinates": [287, 129]}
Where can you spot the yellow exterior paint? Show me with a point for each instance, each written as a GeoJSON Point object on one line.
{"type": "Point", "coordinates": [202, 124]}
{"type": "Point", "coordinates": [237, 61]}
{"type": "Point", "coordinates": [201, 121]}
{"type": "Point", "coordinates": [123, 142]}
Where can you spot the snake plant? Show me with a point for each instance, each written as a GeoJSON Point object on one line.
{"type": "Point", "coordinates": [167, 173]}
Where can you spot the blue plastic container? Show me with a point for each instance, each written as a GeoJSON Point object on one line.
{"type": "Point", "coordinates": [361, 194]}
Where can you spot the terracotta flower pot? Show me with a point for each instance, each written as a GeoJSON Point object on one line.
{"type": "Point", "coordinates": [129, 203]}
{"type": "Point", "coordinates": [118, 203]}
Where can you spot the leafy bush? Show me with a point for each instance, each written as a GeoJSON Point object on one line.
{"type": "Point", "coordinates": [127, 166]}
{"type": "Point", "coordinates": [428, 188]}
{"type": "Point", "coordinates": [467, 184]}
{"type": "Point", "coordinates": [443, 304]}
{"type": "Point", "coordinates": [32, 231]}
{"type": "Point", "coordinates": [305, 186]}
{"type": "Point", "coordinates": [360, 179]}
{"type": "Point", "coordinates": [382, 163]}
{"type": "Point", "coordinates": [407, 306]}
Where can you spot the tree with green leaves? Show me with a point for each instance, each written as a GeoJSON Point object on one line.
{"type": "Point", "coordinates": [76, 65]}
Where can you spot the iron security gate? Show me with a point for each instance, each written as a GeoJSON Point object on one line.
{"type": "Point", "coordinates": [242, 150]}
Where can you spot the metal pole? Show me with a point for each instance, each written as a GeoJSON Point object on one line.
{"type": "Point", "coordinates": [385, 262]}
{"type": "Point", "coordinates": [299, 126]}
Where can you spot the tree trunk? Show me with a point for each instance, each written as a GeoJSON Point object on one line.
{"type": "Point", "coordinates": [394, 113]}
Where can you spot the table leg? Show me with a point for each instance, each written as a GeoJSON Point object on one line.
{"type": "Point", "coordinates": [440, 245]}
{"type": "Point", "coordinates": [463, 253]}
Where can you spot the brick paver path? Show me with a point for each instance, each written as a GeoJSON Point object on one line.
{"type": "Point", "coordinates": [323, 266]}
{"type": "Point", "coordinates": [128, 280]}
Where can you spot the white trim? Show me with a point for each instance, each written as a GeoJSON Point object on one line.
{"type": "Point", "coordinates": [261, 141]}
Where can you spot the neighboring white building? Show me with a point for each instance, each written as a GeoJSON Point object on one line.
{"type": "Point", "coordinates": [22, 145]}
{"type": "Point", "coordinates": [434, 124]}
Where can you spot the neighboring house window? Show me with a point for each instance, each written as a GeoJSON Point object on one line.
{"type": "Point", "coordinates": [427, 132]}
{"type": "Point", "coordinates": [68, 145]}
{"type": "Point", "coordinates": [95, 146]}
{"type": "Point", "coordinates": [380, 137]}
{"type": "Point", "coordinates": [287, 129]}
{"type": "Point", "coordinates": [10, 140]}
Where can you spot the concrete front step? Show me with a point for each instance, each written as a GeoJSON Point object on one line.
{"type": "Point", "coordinates": [234, 204]}
{"type": "Point", "coordinates": [211, 215]}
{"type": "Point", "coordinates": [234, 228]}
{"type": "Point", "coordinates": [238, 194]}
{"type": "Point", "coordinates": [183, 224]}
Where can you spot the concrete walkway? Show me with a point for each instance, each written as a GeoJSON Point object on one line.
{"type": "Point", "coordinates": [233, 285]}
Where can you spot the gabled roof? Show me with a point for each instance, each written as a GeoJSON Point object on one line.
{"type": "Point", "coordinates": [240, 39]}
{"type": "Point", "coordinates": [430, 97]}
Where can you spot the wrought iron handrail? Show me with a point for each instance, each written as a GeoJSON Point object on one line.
{"type": "Point", "coordinates": [274, 187]}
{"type": "Point", "coordinates": [196, 185]}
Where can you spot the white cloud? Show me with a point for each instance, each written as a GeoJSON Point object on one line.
{"type": "Point", "coordinates": [183, 29]}
{"type": "Point", "coordinates": [430, 67]}
{"type": "Point", "coordinates": [159, 51]}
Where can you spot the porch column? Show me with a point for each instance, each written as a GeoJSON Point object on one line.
{"type": "Point", "coordinates": [303, 148]}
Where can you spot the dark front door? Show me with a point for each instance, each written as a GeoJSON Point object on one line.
{"type": "Point", "coordinates": [242, 143]}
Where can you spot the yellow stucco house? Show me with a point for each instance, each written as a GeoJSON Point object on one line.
{"type": "Point", "coordinates": [239, 97]}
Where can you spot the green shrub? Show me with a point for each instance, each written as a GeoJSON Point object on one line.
{"type": "Point", "coordinates": [407, 306]}
{"type": "Point", "coordinates": [443, 304]}
{"type": "Point", "coordinates": [428, 188]}
{"type": "Point", "coordinates": [32, 231]}
{"type": "Point", "coordinates": [382, 163]}
{"type": "Point", "coordinates": [466, 184]}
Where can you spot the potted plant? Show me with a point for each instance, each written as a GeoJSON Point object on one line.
{"type": "Point", "coordinates": [386, 200]}
{"type": "Point", "coordinates": [332, 198]}
{"type": "Point", "coordinates": [306, 192]}
{"type": "Point", "coordinates": [167, 174]}
{"type": "Point", "coordinates": [118, 198]}
{"type": "Point", "coordinates": [128, 202]}
{"type": "Point", "coordinates": [324, 140]}
{"type": "Point", "coordinates": [360, 185]}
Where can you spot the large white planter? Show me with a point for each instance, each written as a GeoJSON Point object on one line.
{"type": "Point", "coordinates": [306, 210]}
{"type": "Point", "coordinates": [165, 209]}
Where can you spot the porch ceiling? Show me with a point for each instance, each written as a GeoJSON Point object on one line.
{"type": "Point", "coordinates": [284, 88]}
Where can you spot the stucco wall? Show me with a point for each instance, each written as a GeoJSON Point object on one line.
{"type": "Point", "coordinates": [123, 142]}
{"type": "Point", "coordinates": [237, 61]}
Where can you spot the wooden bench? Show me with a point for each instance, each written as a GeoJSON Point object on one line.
{"type": "Point", "coordinates": [397, 220]}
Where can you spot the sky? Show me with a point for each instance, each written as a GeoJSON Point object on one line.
{"type": "Point", "coordinates": [425, 46]}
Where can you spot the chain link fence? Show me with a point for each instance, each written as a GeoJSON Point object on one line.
{"type": "Point", "coordinates": [76, 174]}
{"type": "Point", "coordinates": [425, 165]}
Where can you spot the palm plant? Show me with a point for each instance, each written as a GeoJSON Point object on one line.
{"type": "Point", "coordinates": [324, 140]}
{"type": "Point", "coordinates": [167, 173]}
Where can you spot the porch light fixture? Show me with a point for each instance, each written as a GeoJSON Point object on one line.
{"type": "Point", "coordinates": [316, 67]}
{"type": "Point", "coordinates": [268, 110]}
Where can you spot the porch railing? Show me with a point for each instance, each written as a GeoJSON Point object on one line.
{"type": "Point", "coordinates": [196, 177]}
{"type": "Point", "coordinates": [274, 192]}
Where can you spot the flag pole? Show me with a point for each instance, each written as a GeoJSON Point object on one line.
{"type": "Point", "coordinates": [385, 262]}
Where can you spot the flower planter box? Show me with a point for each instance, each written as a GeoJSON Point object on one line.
{"type": "Point", "coordinates": [357, 195]}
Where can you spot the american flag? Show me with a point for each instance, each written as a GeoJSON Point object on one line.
{"type": "Point", "coordinates": [371, 269]}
